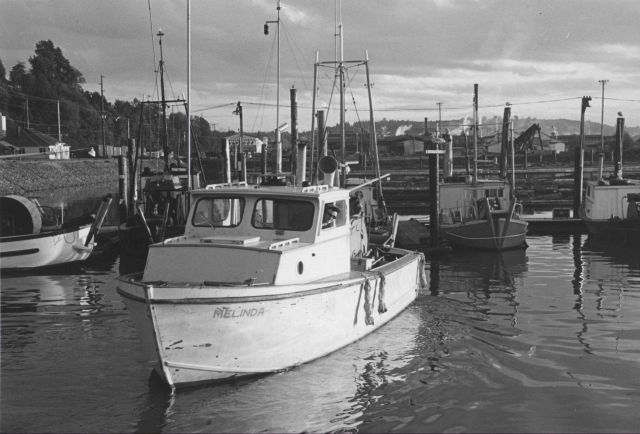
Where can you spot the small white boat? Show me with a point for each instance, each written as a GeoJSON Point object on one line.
{"type": "Point", "coordinates": [611, 210]}
{"type": "Point", "coordinates": [264, 278]}
{"type": "Point", "coordinates": [26, 242]}
{"type": "Point", "coordinates": [611, 207]}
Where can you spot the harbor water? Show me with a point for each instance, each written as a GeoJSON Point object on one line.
{"type": "Point", "coordinates": [537, 340]}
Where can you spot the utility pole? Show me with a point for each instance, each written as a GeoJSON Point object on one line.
{"type": "Point", "coordinates": [59, 132]}
{"type": "Point", "coordinates": [603, 82]}
{"type": "Point", "coordinates": [104, 147]}
{"type": "Point", "coordinates": [439, 130]}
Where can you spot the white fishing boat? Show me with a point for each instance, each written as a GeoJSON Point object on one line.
{"type": "Point", "coordinates": [611, 207]}
{"type": "Point", "coordinates": [28, 240]}
{"type": "Point", "coordinates": [265, 278]}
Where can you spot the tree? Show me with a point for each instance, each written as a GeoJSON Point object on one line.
{"type": "Point", "coordinates": [3, 74]}
{"type": "Point", "coordinates": [4, 89]}
{"type": "Point", "coordinates": [50, 64]}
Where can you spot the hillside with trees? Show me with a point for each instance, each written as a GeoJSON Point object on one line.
{"type": "Point", "coordinates": [48, 86]}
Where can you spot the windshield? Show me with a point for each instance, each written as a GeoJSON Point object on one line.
{"type": "Point", "coordinates": [283, 214]}
{"type": "Point", "coordinates": [218, 212]}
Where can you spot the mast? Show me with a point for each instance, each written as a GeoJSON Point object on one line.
{"type": "Point", "coordinates": [372, 133]}
{"type": "Point", "coordinates": [188, 106]}
{"type": "Point", "coordinates": [278, 126]}
{"type": "Point", "coordinates": [313, 118]}
{"type": "Point", "coordinates": [343, 146]}
{"type": "Point", "coordinates": [165, 150]}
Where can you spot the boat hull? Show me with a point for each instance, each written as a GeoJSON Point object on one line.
{"type": "Point", "coordinates": [46, 248]}
{"type": "Point", "coordinates": [487, 234]}
{"type": "Point", "coordinates": [626, 231]}
{"type": "Point", "coordinates": [201, 333]}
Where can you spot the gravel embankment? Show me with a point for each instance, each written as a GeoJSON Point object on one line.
{"type": "Point", "coordinates": [28, 176]}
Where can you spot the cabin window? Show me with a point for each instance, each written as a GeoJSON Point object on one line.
{"type": "Point", "coordinates": [218, 212]}
{"type": "Point", "coordinates": [283, 214]}
{"type": "Point", "coordinates": [334, 214]}
{"type": "Point", "coordinates": [493, 192]}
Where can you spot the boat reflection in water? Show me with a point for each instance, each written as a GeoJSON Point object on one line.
{"type": "Point", "coordinates": [479, 272]}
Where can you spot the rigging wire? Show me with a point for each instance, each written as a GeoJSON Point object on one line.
{"type": "Point", "coordinates": [260, 114]}
{"type": "Point", "coordinates": [153, 49]}
{"type": "Point", "coordinates": [295, 58]}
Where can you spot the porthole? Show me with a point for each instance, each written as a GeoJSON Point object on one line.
{"type": "Point", "coordinates": [300, 267]}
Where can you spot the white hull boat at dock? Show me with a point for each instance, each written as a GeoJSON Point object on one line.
{"type": "Point", "coordinates": [46, 248]}
{"type": "Point", "coordinates": [26, 242]}
{"type": "Point", "coordinates": [263, 281]}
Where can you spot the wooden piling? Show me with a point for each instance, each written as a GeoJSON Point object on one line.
{"type": "Point", "coordinates": [434, 194]}
{"type": "Point", "coordinates": [294, 134]}
{"type": "Point", "coordinates": [123, 185]}
{"type": "Point", "coordinates": [579, 162]}
{"type": "Point", "coordinates": [617, 153]}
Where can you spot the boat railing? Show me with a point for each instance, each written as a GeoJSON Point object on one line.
{"type": "Point", "coordinates": [315, 188]}
{"type": "Point", "coordinates": [283, 243]}
{"type": "Point", "coordinates": [241, 184]}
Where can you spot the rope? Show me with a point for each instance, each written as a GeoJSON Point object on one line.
{"type": "Point", "coordinates": [382, 307]}
{"type": "Point", "coordinates": [423, 274]}
{"type": "Point", "coordinates": [368, 319]}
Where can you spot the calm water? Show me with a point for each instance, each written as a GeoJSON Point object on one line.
{"type": "Point", "coordinates": [542, 340]}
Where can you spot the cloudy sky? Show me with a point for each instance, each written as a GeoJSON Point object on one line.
{"type": "Point", "coordinates": [541, 56]}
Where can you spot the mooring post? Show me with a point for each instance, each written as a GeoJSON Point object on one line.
{"type": "Point", "coordinates": [434, 194]}
{"type": "Point", "coordinates": [294, 134]}
{"type": "Point", "coordinates": [123, 186]}
{"type": "Point", "coordinates": [131, 194]}
{"type": "Point", "coordinates": [265, 146]}
{"type": "Point", "coordinates": [617, 153]}
{"type": "Point", "coordinates": [579, 162]}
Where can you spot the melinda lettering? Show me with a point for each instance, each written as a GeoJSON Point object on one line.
{"type": "Point", "coordinates": [225, 312]}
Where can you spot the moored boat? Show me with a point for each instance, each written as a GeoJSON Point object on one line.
{"type": "Point", "coordinates": [265, 278]}
{"type": "Point", "coordinates": [611, 207]}
{"type": "Point", "coordinates": [30, 239]}
{"type": "Point", "coordinates": [482, 214]}
{"type": "Point", "coordinates": [611, 210]}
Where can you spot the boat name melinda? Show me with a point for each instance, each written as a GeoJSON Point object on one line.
{"type": "Point", "coordinates": [265, 278]}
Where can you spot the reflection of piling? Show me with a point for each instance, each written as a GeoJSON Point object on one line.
{"type": "Point", "coordinates": [579, 162]}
